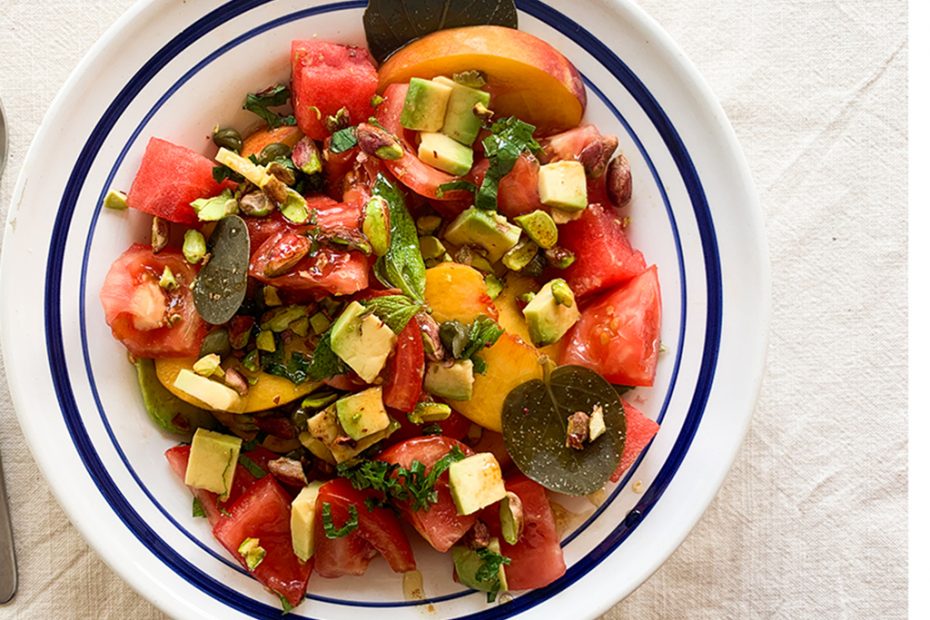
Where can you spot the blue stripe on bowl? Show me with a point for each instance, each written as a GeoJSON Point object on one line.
{"type": "Point", "coordinates": [62, 224]}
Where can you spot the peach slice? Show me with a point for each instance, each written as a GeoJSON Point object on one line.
{"type": "Point", "coordinates": [258, 140]}
{"type": "Point", "coordinates": [511, 313]}
{"type": "Point", "coordinates": [458, 292]}
{"type": "Point", "coordinates": [527, 77]}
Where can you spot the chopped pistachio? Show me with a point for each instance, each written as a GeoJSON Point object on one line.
{"type": "Point", "coordinates": [596, 426]}
{"type": "Point", "coordinates": [376, 100]}
{"type": "Point", "coordinates": [115, 200]}
{"type": "Point", "coordinates": [279, 319]}
{"type": "Point", "coordinates": [216, 208]}
{"type": "Point", "coordinates": [471, 256]}
{"type": "Point", "coordinates": [282, 173]}
{"type": "Point", "coordinates": [251, 361]}
{"type": "Point", "coordinates": [376, 225]}
{"type": "Point", "coordinates": [167, 280]}
{"type": "Point", "coordinates": [319, 400]}
{"type": "Point", "coordinates": [540, 228]}
{"type": "Point", "coordinates": [481, 111]}
{"type": "Point", "coordinates": [431, 247]}
{"type": "Point", "coordinates": [471, 78]}
{"type": "Point", "coordinates": [512, 519]}
{"type": "Point", "coordinates": [337, 121]}
{"type": "Point", "coordinates": [428, 224]}
{"type": "Point", "coordinates": [294, 208]}
{"type": "Point", "coordinates": [159, 234]}
{"type": "Point", "coordinates": [195, 246]}
{"type": "Point", "coordinates": [234, 379]}
{"type": "Point", "coordinates": [319, 323]}
{"type": "Point", "coordinates": [564, 217]}
{"type": "Point", "coordinates": [429, 412]}
{"type": "Point", "coordinates": [306, 156]}
{"type": "Point", "coordinates": [526, 297]}
{"type": "Point", "coordinates": [271, 297]}
{"type": "Point", "coordinates": [520, 255]}
{"type": "Point", "coordinates": [301, 327]}
{"type": "Point", "coordinates": [265, 341]}
{"type": "Point", "coordinates": [562, 293]}
{"type": "Point", "coordinates": [208, 365]}
{"type": "Point", "coordinates": [376, 141]}
{"type": "Point", "coordinates": [252, 552]}
{"type": "Point", "coordinates": [577, 430]}
{"type": "Point", "coordinates": [494, 285]}
{"type": "Point", "coordinates": [256, 204]}
{"type": "Point", "coordinates": [560, 258]}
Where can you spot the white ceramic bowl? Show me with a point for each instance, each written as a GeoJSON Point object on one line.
{"type": "Point", "coordinates": [176, 72]}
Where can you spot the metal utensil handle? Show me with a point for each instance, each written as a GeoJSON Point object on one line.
{"type": "Point", "coordinates": [8, 577]}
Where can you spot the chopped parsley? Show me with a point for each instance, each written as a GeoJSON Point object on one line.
{"type": "Point", "coordinates": [509, 138]}
{"type": "Point", "coordinates": [330, 529]}
{"type": "Point", "coordinates": [273, 96]}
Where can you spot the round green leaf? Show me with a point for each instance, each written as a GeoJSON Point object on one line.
{"type": "Point", "coordinates": [220, 286]}
{"type": "Point", "coordinates": [535, 421]}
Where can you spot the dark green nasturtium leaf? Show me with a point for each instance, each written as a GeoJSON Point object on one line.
{"type": "Point", "coordinates": [392, 24]}
{"type": "Point", "coordinates": [220, 286]}
{"type": "Point", "coordinates": [535, 423]}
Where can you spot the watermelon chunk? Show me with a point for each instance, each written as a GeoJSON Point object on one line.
{"type": "Point", "coordinates": [169, 179]}
{"type": "Point", "coordinates": [328, 76]}
{"type": "Point", "coordinates": [639, 432]}
{"type": "Point", "coordinates": [603, 255]}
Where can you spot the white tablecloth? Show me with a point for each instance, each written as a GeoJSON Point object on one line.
{"type": "Point", "coordinates": [811, 523]}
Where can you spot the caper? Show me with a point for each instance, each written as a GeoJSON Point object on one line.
{"type": "Point", "coordinates": [273, 151]}
{"type": "Point", "coordinates": [227, 138]}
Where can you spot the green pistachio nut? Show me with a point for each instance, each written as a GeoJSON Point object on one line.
{"type": "Point", "coordinates": [376, 225]}
{"type": "Point", "coordinates": [194, 247]}
{"type": "Point", "coordinates": [540, 228]}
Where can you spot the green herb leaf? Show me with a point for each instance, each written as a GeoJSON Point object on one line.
{"type": "Point", "coordinates": [395, 310]}
{"type": "Point", "coordinates": [431, 429]}
{"type": "Point", "coordinates": [297, 369]}
{"type": "Point", "coordinates": [489, 571]}
{"type": "Point", "coordinates": [197, 509]}
{"type": "Point", "coordinates": [484, 332]}
{"type": "Point", "coordinates": [222, 173]}
{"type": "Point", "coordinates": [391, 24]}
{"type": "Point", "coordinates": [509, 138]}
{"type": "Point", "coordinates": [466, 186]}
{"type": "Point", "coordinates": [330, 529]}
{"type": "Point", "coordinates": [325, 363]}
{"type": "Point", "coordinates": [286, 606]}
{"type": "Point", "coordinates": [422, 488]}
{"type": "Point", "coordinates": [251, 466]}
{"type": "Point", "coordinates": [402, 266]}
{"type": "Point", "coordinates": [273, 96]}
{"type": "Point", "coordinates": [343, 140]}
{"type": "Point", "coordinates": [535, 423]}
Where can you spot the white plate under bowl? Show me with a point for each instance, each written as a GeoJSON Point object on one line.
{"type": "Point", "coordinates": [173, 70]}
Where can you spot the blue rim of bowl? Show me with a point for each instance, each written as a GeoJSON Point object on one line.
{"type": "Point", "coordinates": [56, 347]}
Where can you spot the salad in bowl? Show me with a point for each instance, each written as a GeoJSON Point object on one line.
{"type": "Point", "coordinates": [400, 304]}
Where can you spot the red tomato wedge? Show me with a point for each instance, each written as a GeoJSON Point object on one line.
{"type": "Point", "coordinates": [603, 256]}
{"type": "Point", "coordinates": [639, 432]}
{"type": "Point", "coordinates": [149, 320]}
{"type": "Point", "coordinates": [264, 512]}
{"type": "Point", "coordinates": [403, 383]}
{"type": "Point", "coordinates": [518, 190]}
{"type": "Point", "coordinates": [618, 334]}
{"type": "Point", "coordinates": [340, 557]}
{"type": "Point", "coordinates": [326, 77]}
{"type": "Point", "coordinates": [536, 560]}
{"type": "Point", "coordinates": [378, 527]}
{"type": "Point", "coordinates": [454, 427]}
{"type": "Point", "coordinates": [169, 179]}
{"type": "Point", "coordinates": [441, 525]}
{"type": "Point", "coordinates": [409, 170]}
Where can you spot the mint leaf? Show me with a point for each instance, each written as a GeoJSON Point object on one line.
{"type": "Point", "coordinates": [395, 310]}
{"type": "Point", "coordinates": [197, 509]}
{"type": "Point", "coordinates": [402, 266]}
{"type": "Point", "coordinates": [343, 140]}
{"type": "Point", "coordinates": [466, 186]}
{"type": "Point", "coordinates": [330, 529]}
{"type": "Point", "coordinates": [509, 138]}
{"type": "Point", "coordinates": [252, 467]}
{"type": "Point", "coordinates": [273, 96]}
{"type": "Point", "coordinates": [325, 363]}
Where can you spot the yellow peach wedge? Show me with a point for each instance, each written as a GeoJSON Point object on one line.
{"type": "Point", "coordinates": [455, 291]}
{"type": "Point", "coordinates": [254, 144]}
{"type": "Point", "coordinates": [527, 77]}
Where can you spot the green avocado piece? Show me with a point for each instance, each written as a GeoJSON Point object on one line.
{"type": "Point", "coordinates": [164, 408]}
{"type": "Point", "coordinates": [425, 105]}
{"type": "Point", "coordinates": [362, 414]}
{"type": "Point", "coordinates": [520, 255]}
{"type": "Point", "coordinates": [490, 231]}
{"type": "Point", "coordinates": [212, 462]}
{"type": "Point", "coordinates": [563, 185]}
{"type": "Point", "coordinates": [461, 124]}
{"type": "Point", "coordinates": [362, 341]}
{"type": "Point", "coordinates": [467, 562]}
{"type": "Point", "coordinates": [550, 314]}
{"type": "Point", "coordinates": [440, 151]}
{"type": "Point", "coordinates": [455, 382]}
{"type": "Point", "coordinates": [476, 482]}
{"type": "Point", "coordinates": [324, 432]}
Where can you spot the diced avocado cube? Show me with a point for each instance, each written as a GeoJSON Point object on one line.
{"type": "Point", "coordinates": [216, 208]}
{"type": "Point", "coordinates": [431, 247]}
{"type": "Point", "coordinates": [212, 462]}
{"type": "Point", "coordinates": [324, 429]}
{"type": "Point", "coordinates": [455, 381]}
{"type": "Point", "coordinates": [461, 123]}
{"type": "Point", "coordinates": [303, 514]}
{"type": "Point", "coordinates": [362, 414]}
{"type": "Point", "coordinates": [563, 185]}
{"type": "Point", "coordinates": [494, 285]}
{"type": "Point", "coordinates": [425, 105]}
{"type": "Point", "coordinates": [540, 228]}
{"type": "Point", "coordinates": [549, 315]}
{"type": "Point", "coordinates": [490, 231]}
{"type": "Point", "coordinates": [316, 447]}
{"type": "Point", "coordinates": [319, 323]}
{"type": "Point", "coordinates": [467, 562]}
{"type": "Point", "coordinates": [476, 482]}
{"type": "Point", "coordinates": [362, 341]}
{"type": "Point", "coordinates": [428, 224]}
{"type": "Point", "coordinates": [214, 395]}
{"type": "Point", "coordinates": [440, 151]}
